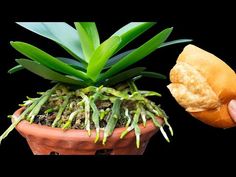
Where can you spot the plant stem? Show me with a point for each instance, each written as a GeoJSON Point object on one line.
{"type": "Point", "coordinates": [86, 90]}
{"type": "Point", "coordinates": [37, 108]}
{"type": "Point", "coordinates": [164, 134]}
{"type": "Point", "coordinates": [48, 111]}
{"type": "Point", "coordinates": [102, 114]}
{"type": "Point", "coordinates": [126, 131]}
{"type": "Point", "coordinates": [27, 102]}
{"type": "Point", "coordinates": [86, 112]}
{"type": "Point", "coordinates": [157, 124]}
{"type": "Point", "coordinates": [145, 93]}
{"type": "Point", "coordinates": [41, 102]}
{"type": "Point", "coordinates": [134, 123]}
{"type": "Point", "coordinates": [143, 115]}
{"type": "Point", "coordinates": [154, 119]}
{"type": "Point", "coordinates": [137, 134]}
{"type": "Point", "coordinates": [132, 86]}
{"type": "Point", "coordinates": [161, 113]}
{"type": "Point", "coordinates": [111, 124]}
{"type": "Point", "coordinates": [71, 118]}
{"type": "Point", "coordinates": [61, 109]}
{"type": "Point", "coordinates": [95, 118]}
{"type": "Point", "coordinates": [114, 92]}
{"type": "Point", "coordinates": [20, 118]}
{"type": "Point", "coordinates": [128, 116]}
{"type": "Point", "coordinates": [166, 121]}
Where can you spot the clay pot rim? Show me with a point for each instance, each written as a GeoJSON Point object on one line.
{"type": "Point", "coordinates": [25, 128]}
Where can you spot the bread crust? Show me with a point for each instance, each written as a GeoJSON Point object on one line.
{"type": "Point", "coordinates": [213, 80]}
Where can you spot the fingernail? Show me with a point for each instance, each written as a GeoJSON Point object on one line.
{"type": "Point", "coordinates": [232, 109]}
{"type": "Point", "coordinates": [232, 104]}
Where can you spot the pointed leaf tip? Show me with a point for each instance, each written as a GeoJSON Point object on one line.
{"type": "Point", "coordinates": [47, 60]}
{"type": "Point", "coordinates": [139, 53]}
{"type": "Point", "coordinates": [131, 31]}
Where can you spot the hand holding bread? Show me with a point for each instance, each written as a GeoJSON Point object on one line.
{"type": "Point", "coordinates": [204, 85]}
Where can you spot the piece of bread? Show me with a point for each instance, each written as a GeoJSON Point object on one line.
{"type": "Point", "coordinates": [204, 85]}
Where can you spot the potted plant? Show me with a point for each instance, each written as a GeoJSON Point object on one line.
{"type": "Point", "coordinates": [94, 105]}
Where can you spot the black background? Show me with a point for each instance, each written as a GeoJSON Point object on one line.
{"type": "Point", "coordinates": [211, 28]}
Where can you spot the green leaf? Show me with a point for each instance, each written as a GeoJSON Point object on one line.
{"type": "Point", "coordinates": [153, 75]}
{"type": "Point", "coordinates": [131, 31]}
{"type": "Point", "coordinates": [138, 53]}
{"type": "Point", "coordinates": [101, 55]}
{"type": "Point", "coordinates": [124, 76]}
{"type": "Point", "coordinates": [178, 41]}
{"type": "Point", "coordinates": [116, 58]}
{"type": "Point", "coordinates": [92, 31]}
{"type": "Point", "coordinates": [47, 73]}
{"type": "Point", "coordinates": [59, 32]}
{"type": "Point", "coordinates": [44, 58]}
{"type": "Point", "coordinates": [73, 63]}
{"type": "Point", "coordinates": [15, 69]}
{"type": "Point", "coordinates": [85, 35]}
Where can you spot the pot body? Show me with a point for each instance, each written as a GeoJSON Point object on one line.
{"type": "Point", "coordinates": [44, 140]}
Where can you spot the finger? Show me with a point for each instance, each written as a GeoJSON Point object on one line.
{"type": "Point", "coordinates": [232, 109]}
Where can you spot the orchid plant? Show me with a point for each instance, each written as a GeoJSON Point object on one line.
{"type": "Point", "coordinates": [94, 88]}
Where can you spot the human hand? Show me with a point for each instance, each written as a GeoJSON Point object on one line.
{"type": "Point", "coordinates": [232, 109]}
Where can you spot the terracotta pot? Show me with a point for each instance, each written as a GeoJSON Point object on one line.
{"type": "Point", "coordinates": [44, 140]}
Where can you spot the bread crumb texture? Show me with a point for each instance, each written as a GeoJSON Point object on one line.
{"type": "Point", "coordinates": [190, 89]}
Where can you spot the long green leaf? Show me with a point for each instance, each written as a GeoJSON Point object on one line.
{"type": "Point", "coordinates": [124, 76]}
{"type": "Point", "coordinates": [178, 41]}
{"type": "Point", "coordinates": [92, 31]}
{"type": "Point", "coordinates": [86, 40]}
{"type": "Point", "coordinates": [74, 63]}
{"type": "Point", "coordinates": [116, 58]}
{"type": "Point", "coordinates": [15, 69]}
{"type": "Point", "coordinates": [101, 55]}
{"type": "Point", "coordinates": [44, 58]}
{"type": "Point", "coordinates": [59, 32]}
{"type": "Point", "coordinates": [138, 53]}
{"type": "Point", "coordinates": [47, 73]}
{"type": "Point", "coordinates": [153, 75]}
{"type": "Point", "coordinates": [131, 31]}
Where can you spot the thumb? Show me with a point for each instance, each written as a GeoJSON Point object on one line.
{"type": "Point", "coordinates": [232, 109]}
